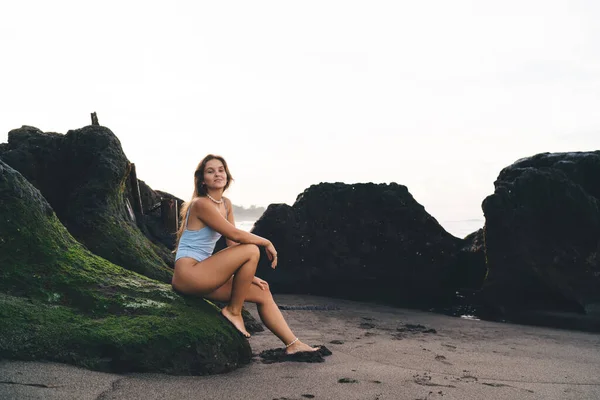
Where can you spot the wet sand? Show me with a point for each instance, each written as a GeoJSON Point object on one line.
{"type": "Point", "coordinates": [379, 352]}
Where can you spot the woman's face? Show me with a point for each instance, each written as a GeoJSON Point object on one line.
{"type": "Point", "coordinates": [215, 176]}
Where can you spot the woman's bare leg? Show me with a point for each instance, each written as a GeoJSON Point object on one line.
{"type": "Point", "coordinates": [241, 282]}
{"type": "Point", "coordinates": [269, 312]}
{"type": "Point", "coordinates": [201, 278]}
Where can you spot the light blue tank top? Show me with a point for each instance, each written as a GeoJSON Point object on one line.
{"type": "Point", "coordinates": [198, 244]}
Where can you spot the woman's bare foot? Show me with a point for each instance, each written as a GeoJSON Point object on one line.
{"type": "Point", "coordinates": [298, 347]}
{"type": "Point", "coordinates": [236, 320]}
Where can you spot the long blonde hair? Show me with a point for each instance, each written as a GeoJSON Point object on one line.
{"type": "Point", "coordinates": [199, 191]}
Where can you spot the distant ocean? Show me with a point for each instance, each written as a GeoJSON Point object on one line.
{"type": "Point", "coordinates": [462, 228]}
{"type": "Point", "coordinates": [245, 225]}
{"type": "Point", "coordinates": [459, 229]}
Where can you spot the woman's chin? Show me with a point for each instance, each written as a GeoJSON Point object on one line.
{"type": "Point", "coordinates": [216, 187]}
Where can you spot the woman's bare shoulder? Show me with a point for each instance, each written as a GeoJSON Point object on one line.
{"type": "Point", "coordinates": [199, 203]}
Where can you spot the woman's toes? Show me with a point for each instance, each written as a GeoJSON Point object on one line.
{"type": "Point", "coordinates": [237, 321]}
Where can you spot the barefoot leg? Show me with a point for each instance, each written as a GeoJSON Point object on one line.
{"type": "Point", "coordinates": [203, 278]}
{"type": "Point", "coordinates": [239, 290]}
{"type": "Point", "coordinates": [269, 312]}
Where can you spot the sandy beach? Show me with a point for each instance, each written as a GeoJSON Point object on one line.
{"type": "Point", "coordinates": [379, 352]}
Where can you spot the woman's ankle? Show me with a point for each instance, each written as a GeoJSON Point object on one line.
{"type": "Point", "coordinates": [292, 342]}
{"type": "Point", "coordinates": [233, 310]}
{"type": "Point", "coordinates": [297, 346]}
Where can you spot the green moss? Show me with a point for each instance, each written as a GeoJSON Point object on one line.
{"type": "Point", "coordinates": [183, 340]}
{"type": "Point", "coordinates": [60, 302]}
{"type": "Point", "coordinates": [84, 174]}
{"type": "Point", "coordinates": [61, 270]}
{"type": "Point", "coordinates": [125, 245]}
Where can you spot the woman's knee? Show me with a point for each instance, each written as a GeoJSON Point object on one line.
{"type": "Point", "coordinates": [265, 297]}
{"type": "Point", "coordinates": [252, 251]}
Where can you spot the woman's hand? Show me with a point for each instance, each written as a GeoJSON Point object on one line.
{"type": "Point", "coordinates": [263, 285]}
{"type": "Point", "coordinates": [271, 254]}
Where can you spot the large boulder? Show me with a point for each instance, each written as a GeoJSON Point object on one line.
{"type": "Point", "coordinates": [83, 175]}
{"type": "Point", "coordinates": [152, 221]}
{"type": "Point", "coordinates": [471, 268]}
{"type": "Point", "coordinates": [361, 241]}
{"type": "Point", "coordinates": [542, 234]}
{"type": "Point", "coordinates": [62, 303]}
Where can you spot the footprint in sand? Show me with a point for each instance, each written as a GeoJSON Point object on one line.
{"type": "Point", "coordinates": [442, 359]}
{"type": "Point", "coordinates": [449, 346]}
{"type": "Point", "coordinates": [468, 378]}
{"type": "Point", "coordinates": [504, 385]}
{"type": "Point", "coordinates": [425, 380]}
{"type": "Point", "coordinates": [411, 329]}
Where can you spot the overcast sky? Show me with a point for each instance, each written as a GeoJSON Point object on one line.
{"type": "Point", "coordinates": [436, 95]}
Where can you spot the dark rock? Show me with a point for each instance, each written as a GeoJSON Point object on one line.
{"type": "Point", "coordinates": [151, 223]}
{"type": "Point", "coordinates": [471, 268]}
{"type": "Point", "coordinates": [83, 175]}
{"type": "Point", "coordinates": [62, 303]}
{"type": "Point", "coordinates": [542, 234]}
{"type": "Point", "coordinates": [347, 380]}
{"type": "Point", "coordinates": [251, 324]}
{"type": "Point", "coordinates": [468, 278]}
{"type": "Point", "coordinates": [220, 245]}
{"type": "Point", "coordinates": [362, 241]}
{"type": "Point", "coordinates": [40, 158]}
{"type": "Point", "coordinates": [279, 355]}
{"type": "Point", "coordinates": [150, 198]}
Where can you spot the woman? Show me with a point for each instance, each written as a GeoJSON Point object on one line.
{"type": "Point", "coordinates": [227, 276]}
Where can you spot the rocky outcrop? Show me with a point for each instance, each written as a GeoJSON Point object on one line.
{"type": "Point", "coordinates": [362, 241]}
{"type": "Point", "coordinates": [471, 268]}
{"type": "Point", "coordinates": [60, 302]}
{"type": "Point", "coordinates": [152, 223]}
{"type": "Point", "coordinates": [83, 175]}
{"type": "Point", "coordinates": [542, 234]}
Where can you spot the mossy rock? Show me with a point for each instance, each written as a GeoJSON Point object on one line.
{"type": "Point", "coordinates": [83, 175]}
{"type": "Point", "coordinates": [60, 302]}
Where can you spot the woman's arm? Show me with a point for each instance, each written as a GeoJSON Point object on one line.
{"type": "Point", "coordinates": [212, 217]}
{"type": "Point", "coordinates": [231, 220]}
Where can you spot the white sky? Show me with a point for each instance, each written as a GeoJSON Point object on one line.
{"type": "Point", "coordinates": [435, 95]}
